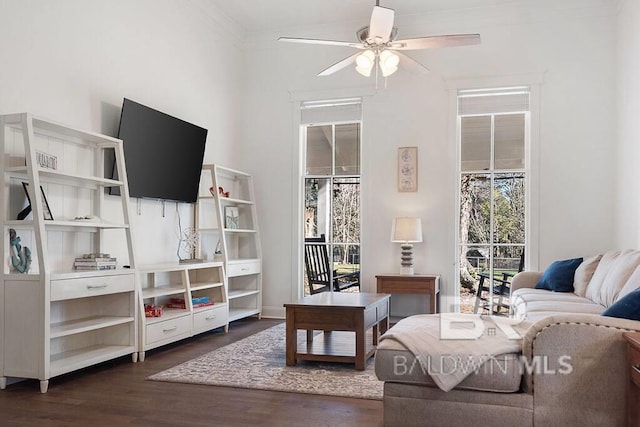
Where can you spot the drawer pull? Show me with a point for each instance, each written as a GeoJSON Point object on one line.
{"type": "Point", "coordinates": [244, 269]}
{"type": "Point", "coordinates": [213, 317]}
{"type": "Point", "coordinates": [636, 368]}
{"type": "Point", "coordinates": [94, 287]}
{"type": "Point", "coordinates": [166, 331]}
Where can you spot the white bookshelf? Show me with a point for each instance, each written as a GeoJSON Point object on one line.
{"type": "Point", "coordinates": [160, 283]}
{"type": "Point", "coordinates": [238, 239]}
{"type": "Point", "coordinates": [57, 320]}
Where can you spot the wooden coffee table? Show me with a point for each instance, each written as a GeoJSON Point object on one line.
{"type": "Point", "coordinates": [339, 315]}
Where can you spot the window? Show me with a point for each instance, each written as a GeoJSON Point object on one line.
{"type": "Point", "coordinates": [493, 129]}
{"type": "Point", "coordinates": [331, 175]}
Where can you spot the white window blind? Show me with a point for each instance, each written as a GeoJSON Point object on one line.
{"type": "Point", "coordinates": [330, 111]}
{"type": "Point", "coordinates": [487, 101]}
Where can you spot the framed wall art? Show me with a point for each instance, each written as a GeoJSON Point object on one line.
{"type": "Point", "coordinates": [407, 169]}
{"type": "Point", "coordinates": [45, 205]}
{"type": "Point", "coordinates": [231, 217]}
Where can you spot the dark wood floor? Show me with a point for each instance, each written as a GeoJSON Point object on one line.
{"type": "Point", "coordinates": [117, 393]}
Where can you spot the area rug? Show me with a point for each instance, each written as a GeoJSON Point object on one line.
{"type": "Point", "coordinates": [258, 362]}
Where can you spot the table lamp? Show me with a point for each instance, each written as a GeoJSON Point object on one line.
{"type": "Point", "coordinates": [406, 230]}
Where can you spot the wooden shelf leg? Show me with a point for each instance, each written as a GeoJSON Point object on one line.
{"type": "Point", "coordinates": [3, 383]}
{"type": "Point", "coordinates": [134, 357]}
{"type": "Point", "coordinates": [44, 386]}
{"type": "Point", "coordinates": [141, 356]}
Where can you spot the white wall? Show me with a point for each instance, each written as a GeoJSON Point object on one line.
{"type": "Point", "coordinates": [628, 126]}
{"type": "Point", "coordinates": [570, 46]}
{"type": "Point", "coordinates": [73, 61]}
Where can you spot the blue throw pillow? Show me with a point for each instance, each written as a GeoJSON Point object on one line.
{"type": "Point", "coordinates": [628, 307]}
{"type": "Point", "coordinates": [559, 275]}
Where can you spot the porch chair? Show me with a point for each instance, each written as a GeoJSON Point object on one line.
{"type": "Point", "coordinates": [318, 267]}
{"type": "Point", "coordinates": [501, 288]}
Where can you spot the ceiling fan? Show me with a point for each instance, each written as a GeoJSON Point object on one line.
{"type": "Point", "coordinates": [379, 45]}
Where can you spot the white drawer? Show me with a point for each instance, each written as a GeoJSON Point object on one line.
{"type": "Point", "coordinates": [83, 287]}
{"type": "Point", "coordinates": [243, 268]}
{"type": "Point", "coordinates": [168, 329]}
{"type": "Point", "coordinates": [210, 319]}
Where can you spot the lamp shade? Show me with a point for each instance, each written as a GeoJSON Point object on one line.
{"type": "Point", "coordinates": [388, 62]}
{"type": "Point", "coordinates": [406, 230]}
{"type": "Point", "coordinates": [365, 62]}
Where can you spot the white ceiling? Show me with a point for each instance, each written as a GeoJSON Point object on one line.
{"type": "Point", "coordinates": [265, 15]}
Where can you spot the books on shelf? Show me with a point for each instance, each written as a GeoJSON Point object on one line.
{"type": "Point", "coordinates": [95, 256]}
{"type": "Point", "coordinates": [92, 268]}
{"type": "Point", "coordinates": [196, 302]}
{"type": "Point", "coordinates": [95, 262]}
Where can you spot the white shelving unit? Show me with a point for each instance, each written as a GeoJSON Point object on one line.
{"type": "Point", "coordinates": [56, 319]}
{"type": "Point", "coordinates": [229, 223]}
{"type": "Point", "coordinates": [162, 283]}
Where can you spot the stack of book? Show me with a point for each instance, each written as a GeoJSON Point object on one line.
{"type": "Point", "coordinates": [95, 262]}
{"type": "Point", "coordinates": [196, 302]}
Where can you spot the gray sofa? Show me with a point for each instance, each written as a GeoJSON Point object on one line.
{"type": "Point", "coordinates": [571, 369]}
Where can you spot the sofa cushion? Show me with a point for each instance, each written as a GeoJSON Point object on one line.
{"type": "Point", "coordinates": [559, 275]}
{"type": "Point", "coordinates": [627, 307]}
{"type": "Point", "coordinates": [611, 275]}
{"type": "Point", "coordinates": [560, 306]}
{"type": "Point", "coordinates": [584, 273]}
{"type": "Point", "coordinates": [395, 363]}
{"type": "Point", "coordinates": [526, 302]}
{"type": "Point", "coordinates": [532, 294]}
{"type": "Point", "coordinates": [632, 284]}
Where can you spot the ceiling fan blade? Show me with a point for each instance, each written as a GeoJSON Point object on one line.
{"type": "Point", "coordinates": [411, 64]}
{"type": "Point", "coordinates": [381, 24]}
{"type": "Point", "coordinates": [434, 42]}
{"type": "Point", "coordinates": [339, 65]}
{"type": "Point", "coordinates": [324, 42]}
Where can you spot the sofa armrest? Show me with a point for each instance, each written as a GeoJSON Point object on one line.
{"type": "Point", "coordinates": [525, 279]}
{"type": "Point", "coordinates": [575, 365]}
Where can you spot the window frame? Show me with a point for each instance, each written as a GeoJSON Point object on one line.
{"type": "Point", "coordinates": [331, 181]}
{"type": "Point", "coordinates": [492, 172]}
{"type": "Point", "coordinates": [451, 293]}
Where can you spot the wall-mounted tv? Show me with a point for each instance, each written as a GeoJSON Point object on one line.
{"type": "Point", "coordinates": [163, 154]}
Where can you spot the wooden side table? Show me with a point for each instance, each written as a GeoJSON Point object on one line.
{"type": "Point", "coordinates": [633, 387]}
{"type": "Point", "coordinates": [428, 284]}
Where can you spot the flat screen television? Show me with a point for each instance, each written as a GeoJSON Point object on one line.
{"type": "Point", "coordinates": [163, 154]}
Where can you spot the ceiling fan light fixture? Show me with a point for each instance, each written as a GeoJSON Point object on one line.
{"type": "Point", "coordinates": [388, 62]}
{"type": "Point", "coordinates": [378, 43]}
{"type": "Point", "coordinates": [364, 71]}
{"type": "Point", "coordinates": [365, 62]}
{"type": "Point", "coordinates": [366, 59]}
{"type": "Point", "coordinates": [387, 72]}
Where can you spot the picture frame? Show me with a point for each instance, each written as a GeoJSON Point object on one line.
{"type": "Point", "coordinates": [45, 205]}
{"type": "Point", "coordinates": [231, 217]}
{"type": "Point", "coordinates": [407, 169]}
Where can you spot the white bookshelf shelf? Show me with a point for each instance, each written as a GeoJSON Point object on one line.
{"type": "Point", "coordinates": [77, 326]}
